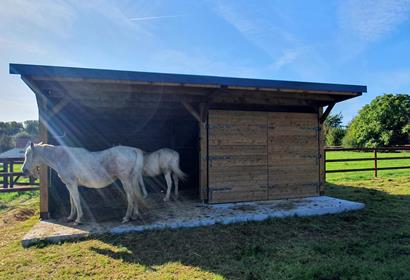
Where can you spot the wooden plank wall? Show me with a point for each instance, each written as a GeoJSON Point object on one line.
{"type": "Point", "coordinates": [237, 156]}
{"type": "Point", "coordinates": [293, 155]}
{"type": "Point", "coordinates": [262, 155]}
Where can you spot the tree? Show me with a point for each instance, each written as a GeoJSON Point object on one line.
{"type": "Point", "coordinates": [31, 127]}
{"type": "Point", "coordinates": [6, 142]}
{"type": "Point", "coordinates": [10, 128]}
{"type": "Point", "coordinates": [383, 122]}
{"type": "Point", "coordinates": [333, 130]}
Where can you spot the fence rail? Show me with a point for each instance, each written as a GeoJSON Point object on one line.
{"type": "Point", "coordinates": [375, 159]}
{"type": "Point", "coordinates": [9, 178]}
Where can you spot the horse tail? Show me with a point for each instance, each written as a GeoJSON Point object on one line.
{"type": "Point", "coordinates": [137, 176]}
{"type": "Point", "coordinates": [176, 170]}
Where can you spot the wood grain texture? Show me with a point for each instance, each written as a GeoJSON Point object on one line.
{"type": "Point", "coordinates": [203, 152]}
{"type": "Point", "coordinates": [322, 173]}
{"type": "Point", "coordinates": [44, 183]}
{"type": "Point", "coordinates": [292, 155]}
{"type": "Point", "coordinates": [237, 156]}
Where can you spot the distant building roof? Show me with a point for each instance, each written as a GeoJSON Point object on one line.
{"type": "Point", "coordinates": [21, 141]}
{"type": "Point", "coordinates": [13, 153]}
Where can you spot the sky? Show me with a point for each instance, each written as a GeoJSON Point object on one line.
{"type": "Point", "coordinates": [363, 42]}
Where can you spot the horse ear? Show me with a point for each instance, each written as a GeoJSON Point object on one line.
{"type": "Point", "coordinates": [31, 145]}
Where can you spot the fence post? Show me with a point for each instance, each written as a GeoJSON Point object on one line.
{"type": "Point", "coordinates": [375, 163]}
{"type": "Point", "coordinates": [324, 163]}
{"type": "Point", "coordinates": [11, 174]}
{"type": "Point", "coordinates": [6, 177]}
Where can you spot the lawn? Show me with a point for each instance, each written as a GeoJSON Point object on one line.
{"type": "Point", "coordinates": [364, 175]}
{"type": "Point", "coordinates": [373, 243]}
{"type": "Point", "coordinates": [17, 168]}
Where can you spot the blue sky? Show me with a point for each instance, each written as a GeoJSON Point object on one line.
{"type": "Point", "coordinates": [355, 42]}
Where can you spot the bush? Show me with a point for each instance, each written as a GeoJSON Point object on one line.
{"type": "Point", "coordinates": [383, 122]}
{"type": "Point", "coordinates": [6, 142]}
{"type": "Point", "coordinates": [334, 136]}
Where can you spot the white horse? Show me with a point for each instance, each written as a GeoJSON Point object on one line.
{"type": "Point", "coordinates": [79, 167]}
{"type": "Point", "coordinates": [163, 161]}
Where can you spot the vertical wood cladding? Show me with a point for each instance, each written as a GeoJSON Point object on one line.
{"type": "Point", "coordinates": [262, 155]}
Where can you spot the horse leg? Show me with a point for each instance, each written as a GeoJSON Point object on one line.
{"type": "Point", "coordinates": [169, 185]}
{"type": "Point", "coordinates": [130, 202]}
{"type": "Point", "coordinates": [75, 194]}
{"type": "Point", "coordinates": [136, 197]}
{"type": "Point", "coordinates": [175, 177]}
{"type": "Point", "coordinates": [72, 210]}
{"type": "Point", "coordinates": [144, 190]}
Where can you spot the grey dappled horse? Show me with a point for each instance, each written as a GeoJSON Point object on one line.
{"type": "Point", "coordinates": [164, 161]}
{"type": "Point", "coordinates": [80, 167]}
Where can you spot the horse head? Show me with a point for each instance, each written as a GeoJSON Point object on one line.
{"type": "Point", "coordinates": [31, 161]}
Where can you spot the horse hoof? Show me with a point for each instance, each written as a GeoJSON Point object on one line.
{"type": "Point", "coordinates": [69, 219]}
{"type": "Point", "coordinates": [76, 223]}
{"type": "Point", "coordinates": [125, 220]}
{"type": "Point", "coordinates": [166, 199]}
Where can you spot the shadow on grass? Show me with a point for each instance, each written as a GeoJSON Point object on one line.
{"type": "Point", "coordinates": [372, 243]}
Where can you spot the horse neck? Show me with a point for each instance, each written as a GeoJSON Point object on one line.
{"type": "Point", "coordinates": [48, 156]}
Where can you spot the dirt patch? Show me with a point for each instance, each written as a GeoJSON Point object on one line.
{"type": "Point", "coordinates": [244, 208]}
{"type": "Point", "coordinates": [16, 215]}
{"type": "Point", "coordinates": [289, 205]}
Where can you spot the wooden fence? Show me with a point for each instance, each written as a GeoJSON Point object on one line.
{"type": "Point", "coordinates": [10, 178]}
{"type": "Point", "coordinates": [375, 159]}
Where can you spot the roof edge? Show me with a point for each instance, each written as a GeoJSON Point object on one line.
{"type": "Point", "coordinates": [104, 74]}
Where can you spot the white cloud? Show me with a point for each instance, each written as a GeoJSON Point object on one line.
{"type": "Point", "coordinates": [51, 16]}
{"type": "Point", "coordinates": [394, 81]}
{"type": "Point", "coordinates": [155, 17]}
{"type": "Point", "coordinates": [287, 57]}
{"type": "Point", "coordinates": [175, 61]}
{"type": "Point", "coordinates": [283, 48]}
{"type": "Point", "coordinates": [371, 20]}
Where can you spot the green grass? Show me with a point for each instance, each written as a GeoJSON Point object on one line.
{"type": "Point", "coordinates": [373, 243]}
{"type": "Point", "coordinates": [364, 175]}
{"type": "Point", "coordinates": [13, 199]}
{"type": "Point", "coordinates": [17, 168]}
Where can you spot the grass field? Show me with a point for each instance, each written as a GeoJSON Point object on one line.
{"type": "Point", "coordinates": [373, 243]}
{"type": "Point", "coordinates": [353, 176]}
{"type": "Point", "coordinates": [17, 168]}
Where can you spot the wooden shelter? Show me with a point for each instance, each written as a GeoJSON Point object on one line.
{"type": "Point", "coordinates": [239, 139]}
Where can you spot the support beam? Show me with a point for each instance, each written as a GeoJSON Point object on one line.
{"type": "Point", "coordinates": [322, 154]}
{"type": "Point", "coordinates": [203, 152]}
{"type": "Point", "coordinates": [214, 94]}
{"type": "Point", "coordinates": [43, 133]}
{"type": "Point", "coordinates": [60, 106]}
{"type": "Point", "coordinates": [191, 110]}
{"type": "Point", "coordinates": [326, 113]}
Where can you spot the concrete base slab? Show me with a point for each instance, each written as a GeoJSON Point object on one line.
{"type": "Point", "coordinates": [187, 214]}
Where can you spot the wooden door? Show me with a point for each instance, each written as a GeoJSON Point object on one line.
{"type": "Point", "coordinates": [293, 155]}
{"type": "Point", "coordinates": [237, 156]}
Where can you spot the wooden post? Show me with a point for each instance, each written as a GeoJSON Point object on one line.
{"type": "Point", "coordinates": [6, 177]}
{"type": "Point", "coordinates": [43, 133]}
{"type": "Point", "coordinates": [324, 165]}
{"type": "Point", "coordinates": [321, 154]}
{"type": "Point", "coordinates": [11, 174]}
{"type": "Point", "coordinates": [375, 163]}
{"type": "Point", "coordinates": [203, 152]}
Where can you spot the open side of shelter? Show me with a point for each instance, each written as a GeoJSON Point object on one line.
{"type": "Point", "coordinates": [239, 139]}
